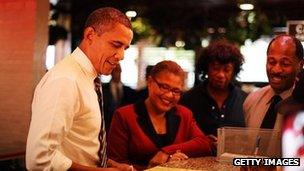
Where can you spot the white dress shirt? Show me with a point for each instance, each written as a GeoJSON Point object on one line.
{"type": "Point", "coordinates": [66, 117]}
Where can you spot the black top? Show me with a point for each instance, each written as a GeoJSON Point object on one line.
{"type": "Point", "coordinates": [172, 125]}
{"type": "Point", "coordinates": [208, 115]}
{"type": "Point", "coordinates": [163, 138]}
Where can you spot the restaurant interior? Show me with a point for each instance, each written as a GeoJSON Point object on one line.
{"type": "Point", "coordinates": [36, 34]}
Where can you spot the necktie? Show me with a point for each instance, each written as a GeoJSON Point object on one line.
{"type": "Point", "coordinates": [102, 152]}
{"type": "Point", "coordinates": [271, 114]}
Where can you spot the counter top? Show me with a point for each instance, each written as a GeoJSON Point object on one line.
{"type": "Point", "coordinates": [201, 163]}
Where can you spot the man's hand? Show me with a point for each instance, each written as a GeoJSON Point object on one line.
{"type": "Point", "coordinates": [124, 167]}
{"type": "Point", "coordinates": [159, 158]}
{"type": "Point", "coordinates": [120, 166]}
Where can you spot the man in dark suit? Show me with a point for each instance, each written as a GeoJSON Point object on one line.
{"type": "Point", "coordinates": [115, 94]}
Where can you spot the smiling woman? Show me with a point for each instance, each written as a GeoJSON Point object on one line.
{"type": "Point", "coordinates": [157, 130]}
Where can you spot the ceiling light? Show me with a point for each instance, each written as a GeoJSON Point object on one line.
{"type": "Point", "coordinates": [179, 43]}
{"type": "Point", "coordinates": [131, 14]}
{"type": "Point", "coordinates": [246, 6]}
{"type": "Point", "coordinates": [205, 42]}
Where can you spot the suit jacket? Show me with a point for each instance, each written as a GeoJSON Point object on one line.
{"type": "Point", "coordinates": [109, 105]}
{"type": "Point", "coordinates": [132, 138]}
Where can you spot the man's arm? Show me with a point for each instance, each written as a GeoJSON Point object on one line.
{"type": "Point", "coordinates": [53, 110]}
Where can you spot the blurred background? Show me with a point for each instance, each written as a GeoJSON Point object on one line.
{"type": "Point", "coordinates": [178, 30]}
{"type": "Point", "coordinates": [36, 34]}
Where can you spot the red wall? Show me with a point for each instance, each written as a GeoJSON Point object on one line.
{"type": "Point", "coordinates": [23, 41]}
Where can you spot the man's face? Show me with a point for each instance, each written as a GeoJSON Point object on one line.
{"type": "Point", "coordinates": [282, 65]}
{"type": "Point", "coordinates": [165, 90]}
{"type": "Point", "coordinates": [220, 75]}
{"type": "Point", "coordinates": [107, 49]}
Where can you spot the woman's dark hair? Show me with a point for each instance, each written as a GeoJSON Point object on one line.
{"type": "Point", "coordinates": [222, 52]}
{"type": "Point", "coordinates": [167, 66]}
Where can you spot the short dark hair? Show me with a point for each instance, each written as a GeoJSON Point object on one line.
{"type": "Point", "coordinates": [223, 52]}
{"type": "Point", "coordinates": [103, 19]}
{"type": "Point", "coordinates": [297, 43]}
{"type": "Point", "coordinates": [148, 70]}
{"type": "Point", "coordinates": [167, 66]}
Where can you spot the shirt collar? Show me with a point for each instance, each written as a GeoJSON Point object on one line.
{"type": "Point", "coordinates": [283, 95]}
{"type": "Point", "coordinates": [85, 63]}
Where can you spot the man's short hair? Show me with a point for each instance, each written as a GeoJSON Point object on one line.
{"type": "Point", "coordinates": [222, 52]}
{"type": "Point", "coordinates": [148, 70]}
{"type": "Point", "coordinates": [104, 19]}
{"type": "Point", "coordinates": [167, 66]}
{"type": "Point", "coordinates": [297, 43]}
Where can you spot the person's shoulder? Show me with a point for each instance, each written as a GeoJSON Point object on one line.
{"type": "Point", "coordinates": [195, 89]}
{"type": "Point", "coordinates": [65, 68]}
{"type": "Point", "coordinates": [192, 93]}
{"type": "Point", "coordinates": [239, 92]}
{"type": "Point", "coordinates": [262, 90]}
{"type": "Point", "coordinates": [125, 110]}
{"type": "Point", "coordinates": [183, 110]}
{"type": "Point", "coordinates": [257, 94]}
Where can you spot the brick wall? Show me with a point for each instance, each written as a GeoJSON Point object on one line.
{"type": "Point", "coordinates": [23, 41]}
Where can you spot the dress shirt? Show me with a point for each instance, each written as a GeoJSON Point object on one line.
{"type": "Point", "coordinates": [257, 103]}
{"type": "Point", "coordinates": [66, 117]}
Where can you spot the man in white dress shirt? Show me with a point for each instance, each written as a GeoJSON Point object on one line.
{"type": "Point", "coordinates": [284, 61]}
{"type": "Point", "coordinates": [66, 118]}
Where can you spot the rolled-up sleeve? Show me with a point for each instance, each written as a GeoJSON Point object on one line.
{"type": "Point", "coordinates": [53, 109]}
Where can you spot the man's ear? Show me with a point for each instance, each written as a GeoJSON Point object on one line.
{"type": "Point", "coordinates": [300, 65]}
{"type": "Point", "coordinates": [149, 80]}
{"type": "Point", "coordinates": [88, 34]}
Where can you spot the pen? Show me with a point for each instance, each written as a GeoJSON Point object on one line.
{"type": "Point", "coordinates": [257, 146]}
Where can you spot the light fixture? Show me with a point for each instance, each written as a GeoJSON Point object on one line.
{"type": "Point", "coordinates": [246, 6]}
{"type": "Point", "coordinates": [131, 14]}
{"type": "Point", "coordinates": [179, 43]}
{"type": "Point", "coordinates": [205, 42]}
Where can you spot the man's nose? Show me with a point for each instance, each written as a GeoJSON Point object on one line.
{"type": "Point", "coordinates": [221, 73]}
{"type": "Point", "coordinates": [170, 94]}
{"type": "Point", "coordinates": [277, 68]}
{"type": "Point", "coordinates": [120, 54]}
